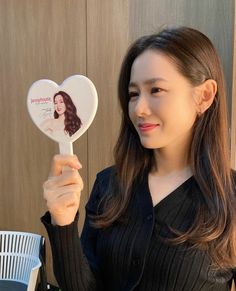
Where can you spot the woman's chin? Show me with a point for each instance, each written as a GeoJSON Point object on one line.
{"type": "Point", "coordinates": [150, 145]}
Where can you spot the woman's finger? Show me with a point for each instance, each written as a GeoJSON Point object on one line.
{"type": "Point", "coordinates": [51, 195]}
{"type": "Point", "coordinates": [66, 178]}
{"type": "Point", "coordinates": [61, 161]}
{"type": "Point", "coordinates": [67, 199]}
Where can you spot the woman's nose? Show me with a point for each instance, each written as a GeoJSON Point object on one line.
{"type": "Point", "coordinates": [142, 106]}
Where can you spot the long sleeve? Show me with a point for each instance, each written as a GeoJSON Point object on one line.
{"type": "Point", "coordinates": [131, 254]}
{"type": "Point", "coordinates": [75, 266]}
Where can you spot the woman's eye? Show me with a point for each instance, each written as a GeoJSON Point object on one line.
{"type": "Point", "coordinates": [133, 94]}
{"type": "Point", "coordinates": [156, 90]}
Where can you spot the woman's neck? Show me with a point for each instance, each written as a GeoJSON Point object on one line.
{"type": "Point", "coordinates": [61, 117]}
{"type": "Point", "coordinates": [172, 160]}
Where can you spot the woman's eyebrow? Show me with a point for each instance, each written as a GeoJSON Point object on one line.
{"type": "Point", "coordinates": [147, 82]}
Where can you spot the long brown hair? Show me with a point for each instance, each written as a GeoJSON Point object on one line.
{"type": "Point", "coordinates": [196, 59]}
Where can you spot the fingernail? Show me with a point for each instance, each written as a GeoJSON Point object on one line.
{"type": "Point", "coordinates": [79, 165]}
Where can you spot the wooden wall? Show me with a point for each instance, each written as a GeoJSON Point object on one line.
{"type": "Point", "coordinates": [107, 33]}
{"type": "Point", "coordinates": [54, 39]}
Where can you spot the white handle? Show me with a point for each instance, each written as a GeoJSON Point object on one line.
{"type": "Point", "coordinates": [66, 148]}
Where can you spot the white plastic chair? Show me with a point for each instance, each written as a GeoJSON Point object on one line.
{"type": "Point", "coordinates": [19, 258]}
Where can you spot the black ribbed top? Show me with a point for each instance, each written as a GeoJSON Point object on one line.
{"type": "Point", "coordinates": [133, 254]}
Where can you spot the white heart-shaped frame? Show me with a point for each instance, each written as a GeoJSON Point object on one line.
{"type": "Point", "coordinates": [63, 112]}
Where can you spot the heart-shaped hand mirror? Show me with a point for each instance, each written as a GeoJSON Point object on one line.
{"type": "Point", "coordinates": [63, 112]}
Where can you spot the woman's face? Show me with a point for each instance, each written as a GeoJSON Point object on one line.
{"type": "Point", "coordinates": [161, 105]}
{"type": "Point", "coordinates": [59, 105]}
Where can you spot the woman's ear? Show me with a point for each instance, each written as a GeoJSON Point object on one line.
{"type": "Point", "coordinates": [205, 95]}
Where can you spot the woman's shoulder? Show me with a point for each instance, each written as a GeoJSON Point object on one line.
{"type": "Point", "coordinates": [106, 172]}
{"type": "Point", "coordinates": [101, 186]}
{"type": "Point", "coordinates": [104, 177]}
{"type": "Point", "coordinates": [47, 123]}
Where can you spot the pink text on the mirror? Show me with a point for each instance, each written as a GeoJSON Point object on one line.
{"type": "Point", "coordinates": [41, 100]}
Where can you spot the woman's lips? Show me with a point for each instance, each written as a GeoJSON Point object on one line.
{"type": "Point", "coordinates": [144, 127]}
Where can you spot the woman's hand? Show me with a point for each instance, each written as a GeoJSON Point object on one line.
{"type": "Point", "coordinates": [63, 188]}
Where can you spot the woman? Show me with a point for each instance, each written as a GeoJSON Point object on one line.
{"type": "Point", "coordinates": [65, 122]}
{"type": "Point", "coordinates": [163, 218]}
